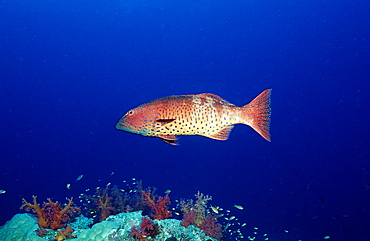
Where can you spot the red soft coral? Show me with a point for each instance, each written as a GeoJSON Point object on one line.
{"type": "Point", "coordinates": [189, 218]}
{"type": "Point", "coordinates": [64, 234]}
{"type": "Point", "coordinates": [51, 215]}
{"type": "Point", "coordinates": [105, 206]}
{"type": "Point", "coordinates": [158, 205]}
{"type": "Point", "coordinates": [210, 226]}
{"type": "Point", "coordinates": [196, 214]}
{"type": "Point", "coordinates": [147, 229]}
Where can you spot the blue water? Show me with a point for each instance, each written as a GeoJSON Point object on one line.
{"type": "Point", "coordinates": [70, 69]}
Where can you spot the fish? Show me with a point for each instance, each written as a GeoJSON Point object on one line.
{"type": "Point", "coordinates": [238, 207]}
{"type": "Point", "coordinates": [79, 178]}
{"type": "Point", "coordinates": [214, 209]}
{"type": "Point", "coordinates": [199, 114]}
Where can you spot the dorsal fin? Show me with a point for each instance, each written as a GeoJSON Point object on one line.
{"type": "Point", "coordinates": [215, 98]}
{"type": "Point", "coordinates": [223, 134]}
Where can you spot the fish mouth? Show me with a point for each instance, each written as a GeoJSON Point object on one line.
{"type": "Point", "coordinates": [121, 126]}
{"type": "Point", "coordinates": [124, 126]}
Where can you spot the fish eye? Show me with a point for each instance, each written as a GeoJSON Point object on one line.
{"type": "Point", "coordinates": [130, 112]}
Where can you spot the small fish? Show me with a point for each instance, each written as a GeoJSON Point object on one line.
{"type": "Point", "coordinates": [214, 209]}
{"type": "Point", "coordinates": [79, 177]}
{"type": "Point", "coordinates": [69, 186]}
{"type": "Point", "coordinates": [238, 207]}
{"type": "Point", "coordinates": [203, 114]}
{"type": "Point", "coordinates": [167, 191]}
{"type": "Point", "coordinates": [2, 191]}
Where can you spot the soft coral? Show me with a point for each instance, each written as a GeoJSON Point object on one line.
{"type": "Point", "coordinates": [51, 215]}
{"type": "Point", "coordinates": [148, 230]}
{"type": "Point", "coordinates": [196, 214]}
{"type": "Point", "coordinates": [158, 205]}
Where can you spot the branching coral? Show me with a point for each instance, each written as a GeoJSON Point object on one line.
{"type": "Point", "coordinates": [63, 234]}
{"type": "Point", "coordinates": [158, 205]}
{"type": "Point", "coordinates": [147, 231]}
{"type": "Point", "coordinates": [196, 215]}
{"type": "Point", "coordinates": [51, 215]}
{"type": "Point", "coordinates": [211, 227]}
{"type": "Point", "coordinates": [104, 203]}
{"type": "Point", "coordinates": [109, 201]}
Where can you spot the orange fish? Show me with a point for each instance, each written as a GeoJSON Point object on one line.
{"type": "Point", "coordinates": [202, 114]}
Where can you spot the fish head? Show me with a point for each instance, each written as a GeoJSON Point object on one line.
{"type": "Point", "coordinates": [137, 121]}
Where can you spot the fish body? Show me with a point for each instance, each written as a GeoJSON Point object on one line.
{"type": "Point", "coordinates": [203, 114]}
{"type": "Point", "coordinates": [239, 207]}
{"type": "Point", "coordinates": [79, 178]}
{"type": "Point", "coordinates": [215, 209]}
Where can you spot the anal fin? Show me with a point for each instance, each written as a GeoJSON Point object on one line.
{"type": "Point", "coordinates": [170, 139]}
{"type": "Point", "coordinates": [223, 134]}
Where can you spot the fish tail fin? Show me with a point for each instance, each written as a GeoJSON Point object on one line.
{"type": "Point", "coordinates": [256, 114]}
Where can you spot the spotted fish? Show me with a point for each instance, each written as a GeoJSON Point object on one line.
{"type": "Point", "coordinates": [202, 114]}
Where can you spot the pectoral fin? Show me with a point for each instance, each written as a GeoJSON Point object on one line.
{"type": "Point", "coordinates": [172, 140]}
{"type": "Point", "coordinates": [165, 121]}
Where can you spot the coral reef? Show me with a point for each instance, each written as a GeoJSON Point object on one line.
{"type": "Point", "coordinates": [123, 214]}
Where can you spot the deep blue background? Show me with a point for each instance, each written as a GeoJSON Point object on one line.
{"type": "Point", "coordinates": [69, 71]}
